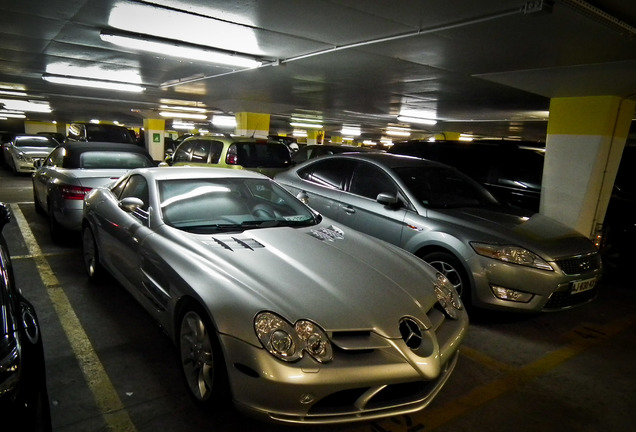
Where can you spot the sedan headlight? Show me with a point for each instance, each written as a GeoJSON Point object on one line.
{"type": "Point", "coordinates": [23, 157]}
{"type": "Point", "coordinates": [289, 342]}
{"type": "Point", "coordinates": [511, 254]}
{"type": "Point", "coordinates": [447, 296]}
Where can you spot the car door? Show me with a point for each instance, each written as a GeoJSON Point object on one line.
{"type": "Point", "coordinates": [322, 184]}
{"type": "Point", "coordinates": [45, 174]}
{"type": "Point", "coordinates": [123, 234]}
{"type": "Point", "coordinates": [360, 209]}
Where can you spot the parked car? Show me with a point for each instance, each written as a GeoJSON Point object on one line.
{"type": "Point", "coordinates": [496, 256]}
{"type": "Point", "coordinates": [511, 170]}
{"type": "Point", "coordinates": [262, 296]}
{"type": "Point", "coordinates": [314, 150]}
{"type": "Point", "coordinates": [100, 132]}
{"type": "Point", "coordinates": [266, 157]}
{"type": "Point", "coordinates": [24, 401]}
{"type": "Point", "coordinates": [22, 151]}
{"type": "Point", "coordinates": [74, 168]}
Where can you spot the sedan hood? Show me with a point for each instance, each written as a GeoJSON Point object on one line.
{"type": "Point", "coordinates": [538, 233]}
{"type": "Point", "coordinates": [34, 151]}
{"type": "Point", "coordinates": [331, 275]}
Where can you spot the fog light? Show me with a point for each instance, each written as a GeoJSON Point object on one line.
{"type": "Point", "coordinates": [510, 294]}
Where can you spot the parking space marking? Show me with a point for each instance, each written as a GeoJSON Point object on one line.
{"type": "Point", "coordinates": [581, 339]}
{"type": "Point", "coordinates": [104, 393]}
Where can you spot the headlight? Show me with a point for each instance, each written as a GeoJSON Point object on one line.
{"type": "Point", "coordinates": [23, 157]}
{"type": "Point", "coordinates": [447, 296]}
{"type": "Point", "coordinates": [289, 342]}
{"type": "Point", "coordinates": [511, 254]}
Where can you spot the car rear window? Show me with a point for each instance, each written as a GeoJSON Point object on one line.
{"type": "Point", "coordinates": [262, 155]}
{"type": "Point", "coordinates": [105, 159]}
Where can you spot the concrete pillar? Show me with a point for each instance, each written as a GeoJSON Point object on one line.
{"type": "Point", "coordinates": [252, 124]}
{"type": "Point", "coordinates": [584, 144]}
{"type": "Point", "coordinates": [315, 136]}
{"type": "Point", "coordinates": [154, 131]}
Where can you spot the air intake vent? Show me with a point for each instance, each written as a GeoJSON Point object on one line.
{"type": "Point", "coordinates": [235, 243]}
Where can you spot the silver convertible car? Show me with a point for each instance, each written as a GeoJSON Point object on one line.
{"type": "Point", "coordinates": [496, 256]}
{"type": "Point", "coordinates": [293, 317]}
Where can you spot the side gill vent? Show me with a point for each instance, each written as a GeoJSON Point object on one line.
{"type": "Point", "coordinates": [235, 243]}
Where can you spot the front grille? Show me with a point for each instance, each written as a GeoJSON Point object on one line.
{"type": "Point", "coordinates": [579, 264]}
{"type": "Point", "coordinates": [563, 299]}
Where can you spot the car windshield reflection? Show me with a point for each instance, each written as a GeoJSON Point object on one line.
{"type": "Point", "coordinates": [229, 205]}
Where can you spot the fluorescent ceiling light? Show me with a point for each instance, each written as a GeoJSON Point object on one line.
{"type": "Point", "coordinates": [407, 119]}
{"type": "Point", "coordinates": [22, 105]}
{"type": "Point", "coordinates": [182, 115]}
{"type": "Point", "coordinates": [10, 114]}
{"type": "Point", "coordinates": [183, 108]}
{"type": "Point", "coordinates": [306, 125]}
{"type": "Point", "coordinates": [178, 49]}
{"type": "Point", "coordinates": [350, 131]}
{"type": "Point", "coordinates": [93, 83]}
{"type": "Point", "coordinates": [396, 131]}
{"type": "Point", "coordinates": [182, 125]}
{"type": "Point", "coordinates": [12, 93]}
{"type": "Point", "coordinates": [299, 133]}
{"type": "Point", "coordinates": [224, 121]}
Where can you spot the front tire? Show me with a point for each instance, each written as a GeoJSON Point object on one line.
{"type": "Point", "coordinates": [450, 267]}
{"type": "Point", "coordinates": [90, 253]}
{"type": "Point", "coordinates": [201, 358]}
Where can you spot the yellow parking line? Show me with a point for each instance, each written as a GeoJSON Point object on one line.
{"type": "Point", "coordinates": [104, 393]}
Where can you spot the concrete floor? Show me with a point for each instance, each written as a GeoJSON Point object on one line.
{"type": "Point", "coordinates": [111, 368]}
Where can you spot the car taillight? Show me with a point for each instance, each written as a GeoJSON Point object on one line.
{"type": "Point", "coordinates": [74, 192]}
{"type": "Point", "coordinates": [231, 159]}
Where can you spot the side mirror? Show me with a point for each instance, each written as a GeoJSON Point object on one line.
{"type": "Point", "coordinates": [130, 204]}
{"type": "Point", "coordinates": [388, 199]}
{"type": "Point", "coordinates": [303, 197]}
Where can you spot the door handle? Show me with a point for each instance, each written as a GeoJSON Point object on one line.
{"type": "Point", "coordinates": [349, 210]}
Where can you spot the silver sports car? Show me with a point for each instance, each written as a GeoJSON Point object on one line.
{"type": "Point", "coordinates": [293, 317]}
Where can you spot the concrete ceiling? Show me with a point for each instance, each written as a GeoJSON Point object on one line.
{"type": "Point", "coordinates": [484, 67]}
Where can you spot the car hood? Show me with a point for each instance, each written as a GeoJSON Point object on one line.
{"type": "Point", "coordinates": [538, 233]}
{"type": "Point", "coordinates": [33, 151]}
{"type": "Point", "coordinates": [334, 276]}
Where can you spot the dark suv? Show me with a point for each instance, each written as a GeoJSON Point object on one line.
{"type": "Point", "coordinates": [510, 170]}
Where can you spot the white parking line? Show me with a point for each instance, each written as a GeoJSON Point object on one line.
{"type": "Point", "coordinates": [104, 393]}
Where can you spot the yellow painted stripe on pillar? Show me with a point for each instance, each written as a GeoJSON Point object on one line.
{"type": "Point", "coordinates": [252, 121]}
{"type": "Point", "coordinates": [592, 115]}
{"type": "Point", "coordinates": [104, 393]}
{"type": "Point", "coordinates": [154, 124]}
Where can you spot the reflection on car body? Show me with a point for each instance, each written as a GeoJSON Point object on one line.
{"type": "Point", "coordinates": [73, 169]}
{"type": "Point", "coordinates": [24, 402]}
{"type": "Point", "coordinates": [497, 256]}
{"type": "Point", "coordinates": [262, 296]}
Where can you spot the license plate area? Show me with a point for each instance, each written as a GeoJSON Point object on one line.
{"type": "Point", "coordinates": [583, 285]}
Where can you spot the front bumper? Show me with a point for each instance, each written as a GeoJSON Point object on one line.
{"type": "Point", "coordinates": [355, 386]}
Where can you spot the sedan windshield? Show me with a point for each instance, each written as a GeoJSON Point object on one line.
{"type": "Point", "coordinates": [35, 142]}
{"type": "Point", "coordinates": [441, 187]}
{"type": "Point", "coordinates": [229, 205]}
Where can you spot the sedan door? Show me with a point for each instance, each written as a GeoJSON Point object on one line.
{"type": "Point", "coordinates": [360, 209]}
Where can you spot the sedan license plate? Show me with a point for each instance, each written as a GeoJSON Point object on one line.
{"type": "Point", "coordinates": [583, 285]}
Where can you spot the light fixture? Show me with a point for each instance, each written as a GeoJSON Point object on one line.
{"type": "Point", "coordinates": [306, 125]}
{"type": "Point", "coordinates": [350, 131]}
{"type": "Point", "coordinates": [397, 131]}
{"type": "Point", "coordinates": [12, 114]}
{"type": "Point", "coordinates": [178, 49]}
{"type": "Point", "coordinates": [23, 105]}
{"type": "Point", "coordinates": [182, 125]}
{"type": "Point", "coordinates": [12, 93]}
{"type": "Point", "coordinates": [408, 119]}
{"type": "Point", "coordinates": [93, 83]}
{"type": "Point", "coordinates": [182, 108]}
{"type": "Point", "coordinates": [182, 115]}
{"type": "Point", "coordinates": [300, 133]}
{"type": "Point", "coordinates": [224, 121]}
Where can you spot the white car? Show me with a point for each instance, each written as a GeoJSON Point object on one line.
{"type": "Point", "coordinates": [21, 152]}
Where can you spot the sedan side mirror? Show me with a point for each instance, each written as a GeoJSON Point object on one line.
{"type": "Point", "coordinates": [130, 204]}
{"type": "Point", "coordinates": [388, 199]}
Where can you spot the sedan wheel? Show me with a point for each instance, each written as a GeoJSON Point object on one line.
{"type": "Point", "coordinates": [450, 267]}
{"type": "Point", "coordinates": [91, 254]}
{"type": "Point", "coordinates": [201, 359]}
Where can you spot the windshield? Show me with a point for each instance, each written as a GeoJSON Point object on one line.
{"type": "Point", "coordinates": [45, 142]}
{"type": "Point", "coordinates": [442, 187]}
{"type": "Point", "coordinates": [229, 205]}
